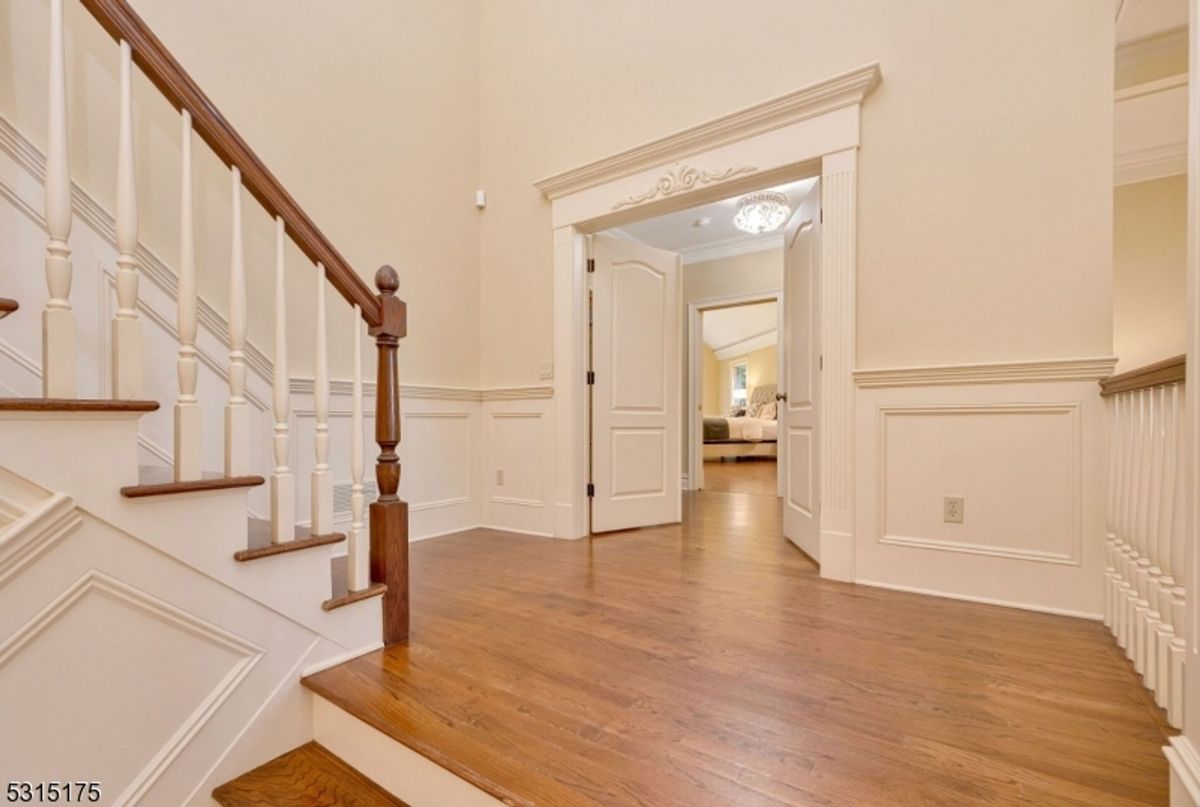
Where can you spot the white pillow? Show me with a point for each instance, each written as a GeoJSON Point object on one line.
{"type": "Point", "coordinates": [768, 411]}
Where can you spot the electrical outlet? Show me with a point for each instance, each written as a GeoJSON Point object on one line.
{"type": "Point", "coordinates": [546, 371]}
{"type": "Point", "coordinates": [952, 509]}
{"type": "Point", "coordinates": [500, 477]}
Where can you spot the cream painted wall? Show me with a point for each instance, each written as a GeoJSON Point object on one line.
{"type": "Point", "coordinates": [378, 139]}
{"type": "Point", "coordinates": [762, 367]}
{"type": "Point", "coordinates": [711, 402]}
{"type": "Point", "coordinates": [1149, 267]}
{"type": "Point", "coordinates": [986, 167]}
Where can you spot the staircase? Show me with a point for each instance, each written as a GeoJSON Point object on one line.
{"type": "Point", "coordinates": [194, 617]}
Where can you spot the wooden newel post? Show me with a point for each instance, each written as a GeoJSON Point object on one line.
{"type": "Point", "coordinates": [389, 515]}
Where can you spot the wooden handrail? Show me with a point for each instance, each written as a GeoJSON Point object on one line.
{"type": "Point", "coordinates": [123, 24]}
{"type": "Point", "coordinates": [1167, 371]}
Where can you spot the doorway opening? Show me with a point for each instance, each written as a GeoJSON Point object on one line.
{"type": "Point", "coordinates": [691, 365]}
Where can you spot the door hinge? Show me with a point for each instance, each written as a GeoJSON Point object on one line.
{"type": "Point", "coordinates": [821, 362]}
{"type": "Point", "coordinates": [591, 490]}
{"type": "Point", "coordinates": [591, 265]}
{"type": "Point", "coordinates": [822, 215]}
{"type": "Point", "coordinates": [591, 377]}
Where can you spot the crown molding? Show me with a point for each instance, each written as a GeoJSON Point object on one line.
{"type": "Point", "coordinates": [748, 345]}
{"type": "Point", "coordinates": [1081, 369]}
{"type": "Point", "coordinates": [730, 247]}
{"type": "Point", "coordinates": [1146, 164]}
{"type": "Point", "coordinates": [1150, 87]}
{"type": "Point", "coordinates": [1137, 53]}
{"type": "Point", "coordinates": [843, 90]}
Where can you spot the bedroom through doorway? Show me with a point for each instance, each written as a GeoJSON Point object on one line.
{"type": "Point", "coordinates": [719, 352]}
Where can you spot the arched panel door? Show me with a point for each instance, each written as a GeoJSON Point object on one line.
{"type": "Point", "coordinates": [636, 409]}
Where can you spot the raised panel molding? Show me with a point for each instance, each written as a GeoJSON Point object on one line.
{"type": "Point", "coordinates": [1074, 505]}
{"type": "Point", "coordinates": [96, 583]}
{"type": "Point", "coordinates": [443, 498]}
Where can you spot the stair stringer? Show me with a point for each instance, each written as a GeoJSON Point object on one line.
{"type": "Point", "coordinates": [200, 529]}
{"type": "Point", "coordinates": [136, 669]}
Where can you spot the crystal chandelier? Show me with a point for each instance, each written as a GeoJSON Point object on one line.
{"type": "Point", "coordinates": [761, 212]}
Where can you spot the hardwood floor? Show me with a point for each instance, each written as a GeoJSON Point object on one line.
{"type": "Point", "coordinates": [755, 476]}
{"type": "Point", "coordinates": [308, 776]}
{"type": "Point", "coordinates": [708, 664]}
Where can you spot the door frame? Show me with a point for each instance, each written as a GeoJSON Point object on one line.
{"type": "Point", "coordinates": [695, 390]}
{"type": "Point", "coordinates": [815, 129]}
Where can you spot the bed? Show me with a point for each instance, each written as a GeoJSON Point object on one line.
{"type": "Point", "coordinates": [744, 436]}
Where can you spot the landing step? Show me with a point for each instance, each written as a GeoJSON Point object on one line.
{"type": "Point", "coordinates": [74, 405]}
{"type": "Point", "coordinates": [308, 776]}
{"type": "Point", "coordinates": [7, 306]}
{"type": "Point", "coordinates": [258, 544]}
{"type": "Point", "coordinates": [154, 480]}
{"type": "Point", "coordinates": [342, 595]}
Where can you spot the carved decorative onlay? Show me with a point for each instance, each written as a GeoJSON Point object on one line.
{"type": "Point", "coordinates": [682, 178]}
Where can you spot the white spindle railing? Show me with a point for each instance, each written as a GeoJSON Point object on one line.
{"type": "Point", "coordinates": [383, 311]}
{"type": "Point", "coordinates": [237, 413]}
{"type": "Point", "coordinates": [322, 479]}
{"type": "Point", "coordinates": [1144, 585]}
{"type": "Point", "coordinates": [187, 407]}
{"type": "Point", "coordinates": [359, 549]}
{"type": "Point", "coordinates": [126, 326]}
{"type": "Point", "coordinates": [283, 487]}
{"type": "Point", "coordinates": [58, 318]}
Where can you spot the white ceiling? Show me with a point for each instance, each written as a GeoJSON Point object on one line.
{"type": "Point", "coordinates": [1141, 18]}
{"type": "Point", "coordinates": [740, 326]}
{"type": "Point", "coordinates": [679, 232]}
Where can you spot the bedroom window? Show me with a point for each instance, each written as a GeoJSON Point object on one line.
{"type": "Point", "coordinates": [738, 373]}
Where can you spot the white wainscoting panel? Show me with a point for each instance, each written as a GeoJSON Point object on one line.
{"type": "Point", "coordinates": [438, 456]}
{"type": "Point", "coordinates": [518, 465]}
{"type": "Point", "coordinates": [1027, 457]}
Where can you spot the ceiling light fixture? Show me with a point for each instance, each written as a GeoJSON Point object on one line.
{"type": "Point", "coordinates": [761, 212]}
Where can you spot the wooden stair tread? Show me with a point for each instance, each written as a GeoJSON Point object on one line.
{"type": "Point", "coordinates": [74, 405]}
{"type": "Point", "coordinates": [155, 480]}
{"type": "Point", "coordinates": [308, 776]}
{"type": "Point", "coordinates": [258, 541]}
{"type": "Point", "coordinates": [342, 595]}
{"type": "Point", "coordinates": [7, 306]}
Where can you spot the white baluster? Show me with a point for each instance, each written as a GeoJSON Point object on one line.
{"type": "Point", "coordinates": [126, 326]}
{"type": "Point", "coordinates": [1177, 650]}
{"type": "Point", "coordinates": [58, 318]}
{"type": "Point", "coordinates": [237, 413]}
{"type": "Point", "coordinates": [322, 480]}
{"type": "Point", "coordinates": [187, 407]}
{"type": "Point", "coordinates": [283, 486]}
{"type": "Point", "coordinates": [358, 567]}
{"type": "Point", "coordinates": [1111, 540]}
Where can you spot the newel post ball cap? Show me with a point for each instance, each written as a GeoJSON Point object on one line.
{"type": "Point", "coordinates": [386, 280]}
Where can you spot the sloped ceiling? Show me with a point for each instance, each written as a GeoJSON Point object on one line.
{"type": "Point", "coordinates": [727, 327]}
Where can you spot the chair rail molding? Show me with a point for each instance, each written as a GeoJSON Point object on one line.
{"type": "Point", "coordinates": [1071, 369]}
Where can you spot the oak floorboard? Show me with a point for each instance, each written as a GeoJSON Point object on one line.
{"type": "Point", "coordinates": [308, 776]}
{"type": "Point", "coordinates": [709, 664]}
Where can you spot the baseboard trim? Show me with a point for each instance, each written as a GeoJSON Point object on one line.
{"type": "Point", "coordinates": [341, 658]}
{"type": "Point", "coordinates": [1185, 772]}
{"type": "Point", "coordinates": [1043, 609]}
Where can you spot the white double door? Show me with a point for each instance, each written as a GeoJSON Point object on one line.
{"type": "Point", "coordinates": [636, 412]}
